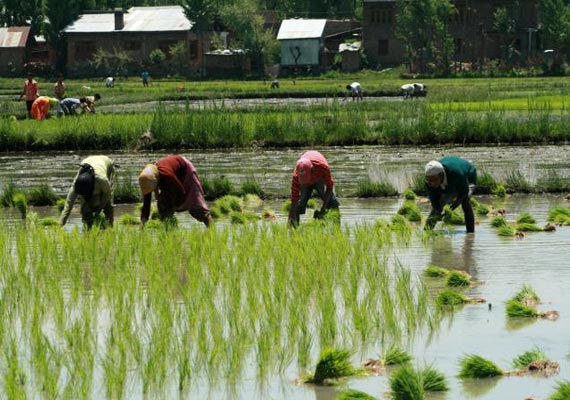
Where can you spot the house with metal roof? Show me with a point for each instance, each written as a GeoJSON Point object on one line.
{"type": "Point", "coordinates": [137, 31]}
{"type": "Point", "coordinates": [313, 43]}
{"type": "Point", "coordinates": [13, 44]}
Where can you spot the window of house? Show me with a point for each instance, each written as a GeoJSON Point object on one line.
{"type": "Point", "coordinates": [84, 50]}
{"type": "Point", "coordinates": [383, 47]}
{"type": "Point", "coordinates": [133, 45]}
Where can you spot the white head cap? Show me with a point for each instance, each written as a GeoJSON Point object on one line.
{"type": "Point", "coordinates": [434, 168]}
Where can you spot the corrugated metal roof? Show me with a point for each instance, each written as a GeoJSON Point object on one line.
{"type": "Point", "coordinates": [301, 29]}
{"type": "Point", "coordinates": [136, 19]}
{"type": "Point", "coordinates": [14, 36]}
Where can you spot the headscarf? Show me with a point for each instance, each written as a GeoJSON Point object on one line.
{"type": "Point", "coordinates": [434, 168]}
{"type": "Point", "coordinates": [148, 179]}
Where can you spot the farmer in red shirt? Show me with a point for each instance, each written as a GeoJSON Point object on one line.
{"type": "Point", "coordinates": [312, 172]}
{"type": "Point", "coordinates": [30, 93]}
{"type": "Point", "coordinates": [176, 185]}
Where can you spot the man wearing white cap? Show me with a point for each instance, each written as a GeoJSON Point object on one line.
{"type": "Point", "coordinates": [450, 180]}
{"type": "Point", "coordinates": [311, 172]}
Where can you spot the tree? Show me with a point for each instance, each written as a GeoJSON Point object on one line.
{"type": "Point", "coordinates": [22, 13]}
{"type": "Point", "coordinates": [554, 17]}
{"type": "Point", "coordinates": [178, 56]}
{"type": "Point", "coordinates": [58, 14]}
{"type": "Point", "coordinates": [506, 26]}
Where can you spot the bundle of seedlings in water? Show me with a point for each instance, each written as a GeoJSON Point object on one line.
{"type": "Point", "coordinates": [409, 194]}
{"type": "Point", "coordinates": [240, 218]}
{"type": "Point", "coordinates": [474, 366]}
{"type": "Point", "coordinates": [409, 383]}
{"type": "Point", "coordinates": [523, 305]}
{"type": "Point", "coordinates": [332, 365]}
{"type": "Point", "coordinates": [433, 271]}
{"type": "Point", "coordinates": [252, 200]}
{"type": "Point", "coordinates": [449, 297]}
{"type": "Point", "coordinates": [60, 204]}
{"type": "Point", "coordinates": [526, 218]}
{"type": "Point", "coordinates": [452, 217]}
{"type": "Point", "coordinates": [42, 196]}
{"type": "Point", "coordinates": [411, 211]}
{"type": "Point", "coordinates": [48, 222]}
{"type": "Point", "coordinates": [229, 203]}
{"type": "Point", "coordinates": [499, 221]}
{"type": "Point", "coordinates": [21, 204]}
{"type": "Point", "coordinates": [375, 189]}
{"type": "Point", "coordinates": [536, 361]}
{"type": "Point", "coordinates": [393, 355]}
{"type": "Point", "coordinates": [562, 391]}
{"type": "Point", "coordinates": [351, 394]}
{"type": "Point", "coordinates": [268, 214]}
{"type": "Point", "coordinates": [458, 279]}
{"type": "Point", "coordinates": [500, 190]}
{"type": "Point", "coordinates": [528, 227]}
{"type": "Point", "coordinates": [312, 203]}
{"type": "Point", "coordinates": [480, 208]}
{"type": "Point", "coordinates": [506, 230]}
{"type": "Point", "coordinates": [559, 215]}
{"type": "Point", "coordinates": [129, 219]}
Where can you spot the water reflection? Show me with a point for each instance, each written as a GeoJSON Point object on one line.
{"type": "Point", "coordinates": [476, 388]}
{"type": "Point", "coordinates": [447, 252]}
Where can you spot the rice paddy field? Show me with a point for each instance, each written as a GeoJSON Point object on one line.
{"type": "Point", "coordinates": [246, 311]}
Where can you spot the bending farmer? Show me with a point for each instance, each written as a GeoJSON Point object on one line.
{"type": "Point", "coordinates": [176, 186]}
{"type": "Point", "coordinates": [451, 180]}
{"type": "Point", "coordinates": [94, 184]}
{"type": "Point", "coordinates": [311, 172]}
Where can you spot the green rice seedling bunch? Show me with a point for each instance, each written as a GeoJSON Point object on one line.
{"type": "Point", "coordinates": [409, 194]}
{"type": "Point", "coordinates": [333, 364]}
{"type": "Point", "coordinates": [215, 211]}
{"type": "Point", "coordinates": [433, 271]}
{"type": "Point", "coordinates": [562, 391]}
{"type": "Point", "coordinates": [400, 222]}
{"type": "Point", "coordinates": [506, 230]}
{"type": "Point", "coordinates": [457, 279]}
{"type": "Point", "coordinates": [486, 183]}
{"type": "Point", "coordinates": [351, 394]}
{"type": "Point", "coordinates": [475, 366]}
{"type": "Point", "coordinates": [60, 204]}
{"type": "Point", "coordinates": [526, 295]}
{"type": "Point", "coordinates": [433, 380]}
{"type": "Point", "coordinates": [450, 297]}
{"type": "Point", "coordinates": [527, 227]}
{"type": "Point", "coordinates": [452, 217]}
{"type": "Point", "coordinates": [375, 189]}
{"type": "Point", "coordinates": [153, 224]}
{"type": "Point", "coordinates": [286, 206]}
{"type": "Point", "coordinates": [268, 214]}
{"type": "Point", "coordinates": [125, 191]}
{"type": "Point", "coordinates": [331, 215]}
{"type": "Point", "coordinates": [7, 196]}
{"type": "Point", "coordinates": [395, 355]}
{"type": "Point", "coordinates": [500, 191]}
{"type": "Point", "coordinates": [418, 185]}
{"type": "Point", "coordinates": [21, 204]}
{"type": "Point", "coordinates": [252, 200]}
{"type": "Point", "coordinates": [516, 309]}
{"type": "Point", "coordinates": [42, 196]}
{"type": "Point", "coordinates": [480, 208]}
{"type": "Point", "coordinates": [48, 222]}
{"type": "Point", "coordinates": [559, 215]}
{"type": "Point", "coordinates": [526, 218]}
{"type": "Point", "coordinates": [528, 357]}
{"type": "Point", "coordinates": [409, 383]}
{"type": "Point", "coordinates": [411, 211]}
{"type": "Point", "coordinates": [240, 218]}
{"type": "Point", "coordinates": [498, 222]}
{"type": "Point", "coordinates": [217, 187]}
{"type": "Point", "coordinates": [251, 186]}
{"type": "Point", "coordinates": [229, 203]}
{"type": "Point", "coordinates": [129, 219]}
{"type": "Point", "coordinates": [517, 182]}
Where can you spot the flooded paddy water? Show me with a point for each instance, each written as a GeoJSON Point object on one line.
{"type": "Point", "coordinates": [504, 265]}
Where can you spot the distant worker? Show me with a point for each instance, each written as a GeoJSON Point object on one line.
{"type": "Point", "coordinates": [30, 93]}
{"type": "Point", "coordinates": [70, 105]}
{"type": "Point", "coordinates": [94, 185]}
{"type": "Point", "coordinates": [110, 82]}
{"type": "Point", "coordinates": [311, 172]}
{"type": "Point", "coordinates": [88, 104]}
{"type": "Point", "coordinates": [145, 77]}
{"type": "Point", "coordinates": [59, 88]}
{"type": "Point", "coordinates": [355, 90]}
{"type": "Point", "coordinates": [450, 181]}
{"type": "Point", "coordinates": [41, 106]}
{"type": "Point", "coordinates": [275, 84]}
{"type": "Point", "coordinates": [413, 90]}
{"type": "Point", "coordinates": [176, 186]}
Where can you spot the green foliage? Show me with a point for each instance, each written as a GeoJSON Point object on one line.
{"type": "Point", "coordinates": [499, 222]}
{"type": "Point", "coordinates": [486, 183]}
{"type": "Point", "coordinates": [351, 394]}
{"type": "Point", "coordinates": [129, 219]}
{"type": "Point", "coordinates": [60, 204]}
{"type": "Point", "coordinates": [457, 279]}
{"type": "Point", "coordinates": [48, 222]}
{"type": "Point", "coordinates": [527, 227]}
{"type": "Point", "coordinates": [409, 383]}
{"type": "Point", "coordinates": [526, 295]}
{"type": "Point", "coordinates": [42, 196]}
{"type": "Point", "coordinates": [517, 309]}
{"type": "Point", "coordinates": [251, 186]}
{"type": "Point", "coordinates": [526, 218]}
{"type": "Point", "coordinates": [452, 217]}
{"type": "Point", "coordinates": [474, 366]}
{"type": "Point", "coordinates": [395, 355]}
{"type": "Point", "coordinates": [21, 204]}
{"type": "Point", "coordinates": [217, 187]}
{"type": "Point", "coordinates": [529, 356]}
{"type": "Point", "coordinates": [500, 191]}
{"type": "Point", "coordinates": [506, 230]}
{"type": "Point", "coordinates": [238, 218]}
{"type": "Point", "coordinates": [410, 211]}
{"type": "Point", "coordinates": [375, 189]}
{"type": "Point", "coordinates": [409, 194]}
{"type": "Point", "coordinates": [229, 203]}
{"type": "Point", "coordinates": [418, 185]}
{"type": "Point", "coordinates": [434, 271]}
{"type": "Point", "coordinates": [562, 391]}
{"type": "Point", "coordinates": [157, 56]}
{"type": "Point", "coordinates": [558, 215]}
{"type": "Point", "coordinates": [333, 364]}
{"type": "Point", "coordinates": [450, 297]}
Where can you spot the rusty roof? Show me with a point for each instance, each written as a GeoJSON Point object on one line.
{"type": "Point", "coordinates": [136, 19]}
{"type": "Point", "coordinates": [14, 36]}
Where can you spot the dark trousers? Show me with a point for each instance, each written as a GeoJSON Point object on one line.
{"type": "Point", "coordinates": [307, 191]}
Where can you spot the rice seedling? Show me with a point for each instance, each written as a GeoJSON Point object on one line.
{"type": "Point", "coordinates": [499, 222]}
{"type": "Point", "coordinates": [516, 309]}
{"type": "Point", "coordinates": [559, 215]}
{"type": "Point", "coordinates": [48, 222]}
{"type": "Point", "coordinates": [60, 204]}
{"type": "Point", "coordinates": [526, 218]}
{"type": "Point", "coordinates": [129, 219]}
{"type": "Point", "coordinates": [332, 364]}
{"type": "Point", "coordinates": [409, 194]}
{"type": "Point", "coordinates": [506, 230]}
{"type": "Point", "coordinates": [395, 355]}
{"type": "Point", "coordinates": [229, 203]}
{"type": "Point", "coordinates": [528, 227]}
{"type": "Point", "coordinates": [42, 196]}
{"type": "Point", "coordinates": [452, 217]}
{"type": "Point", "coordinates": [418, 185]}
{"type": "Point", "coordinates": [433, 380]}
{"type": "Point", "coordinates": [525, 359]}
{"type": "Point", "coordinates": [21, 204]}
{"type": "Point", "coordinates": [217, 187]}
{"type": "Point", "coordinates": [251, 186]}
{"type": "Point", "coordinates": [480, 208]}
{"type": "Point", "coordinates": [215, 211]}
{"type": "Point", "coordinates": [457, 279]}
{"type": "Point", "coordinates": [409, 383]}
{"type": "Point", "coordinates": [517, 182]}
{"type": "Point", "coordinates": [375, 189]}
{"type": "Point", "coordinates": [451, 298]}
{"type": "Point", "coordinates": [125, 191]}
{"type": "Point", "coordinates": [351, 394]}
{"type": "Point", "coordinates": [477, 367]}
{"type": "Point", "coordinates": [7, 196]}
{"type": "Point", "coordinates": [240, 218]}
{"type": "Point", "coordinates": [286, 206]}
{"type": "Point", "coordinates": [562, 391]}
{"type": "Point", "coordinates": [526, 295]}
{"type": "Point", "coordinates": [410, 211]}
{"type": "Point", "coordinates": [252, 201]}
{"type": "Point", "coordinates": [500, 191]}
{"type": "Point", "coordinates": [268, 214]}
{"type": "Point", "coordinates": [433, 271]}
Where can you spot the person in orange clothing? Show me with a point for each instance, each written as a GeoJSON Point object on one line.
{"type": "Point", "coordinates": [40, 107]}
{"type": "Point", "coordinates": [311, 172]}
{"type": "Point", "coordinates": [30, 93]}
{"type": "Point", "coordinates": [176, 185]}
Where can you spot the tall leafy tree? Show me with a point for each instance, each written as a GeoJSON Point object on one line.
{"type": "Point", "coordinates": [554, 17]}
{"type": "Point", "coordinates": [58, 14]}
{"type": "Point", "coordinates": [506, 26]}
{"type": "Point", "coordinates": [22, 13]}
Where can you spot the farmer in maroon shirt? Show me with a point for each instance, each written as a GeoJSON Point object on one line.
{"type": "Point", "coordinates": [311, 173]}
{"type": "Point", "coordinates": [176, 185]}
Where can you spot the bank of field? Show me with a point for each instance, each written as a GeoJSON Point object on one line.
{"type": "Point", "coordinates": [134, 312]}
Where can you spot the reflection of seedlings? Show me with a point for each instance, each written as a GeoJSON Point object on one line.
{"type": "Point", "coordinates": [351, 394]}
{"type": "Point", "coordinates": [408, 383]}
{"type": "Point", "coordinates": [450, 297]}
{"type": "Point", "coordinates": [411, 211]}
{"type": "Point", "coordinates": [562, 391]}
{"type": "Point", "coordinates": [433, 271]}
{"type": "Point", "coordinates": [474, 366]}
{"type": "Point", "coordinates": [498, 221]}
{"type": "Point", "coordinates": [458, 279]}
{"type": "Point", "coordinates": [452, 217]}
{"type": "Point", "coordinates": [526, 218]}
{"type": "Point", "coordinates": [333, 364]}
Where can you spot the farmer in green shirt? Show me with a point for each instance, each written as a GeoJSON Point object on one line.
{"type": "Point", "coordinates": [451, 180]}
{"type": "Point", "coordinates": [94, 185]}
